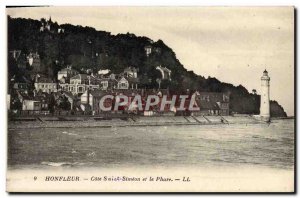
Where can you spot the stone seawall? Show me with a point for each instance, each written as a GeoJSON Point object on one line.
{"type": "Point", "coordinates": [75, 122]}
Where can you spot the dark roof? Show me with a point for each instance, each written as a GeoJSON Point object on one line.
{"type": "Point", "coordinates": [214, 96]}
{"type": "Point", "coordinates": [105, 79]}
{"type": "Point", "coordinates": [44, 80]}
{"type": "Point", "coordinates": [129, 92]}
{"type": "Point", "coordinates": [69, 95]}
{"type": "Point", "coordinates": [84, 77]}
{"type": "Point", "coordinates": [56, 94]}
{"type": "Point", "coordinates": [132, 80]}
{"type": "Point", "coordinates": [24, 95]}
{"type": "Point", "coordinates": [98, 93]}
{"type": "Point", "coordinates": [42, 98]}
{"type": "Point", "coordinates": [80, 76]}
{"type": "Point", "coordinates": [41, 93]}
{"type": "Point", "coordinates": [156, 91]}
{"type": "Point", "coordinates": [208, 105]}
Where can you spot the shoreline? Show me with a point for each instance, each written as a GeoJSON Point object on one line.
{"type": "Point", "coordinates": [94, 122]}
{"type": "Point", "coordinates": [111, 125]}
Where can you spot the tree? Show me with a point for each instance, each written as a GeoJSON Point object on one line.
{"type": "Point", "coordinates": [16, 105]}
{"type": "Point", "coordinates": [79, 45]}
{"type": "Point", "coordinates": [64, 103]}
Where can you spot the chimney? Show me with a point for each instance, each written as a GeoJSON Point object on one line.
{"type": "Point", "coordinates": [37, 78]}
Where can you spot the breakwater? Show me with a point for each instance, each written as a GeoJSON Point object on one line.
{"type": "Point", "coordinates": [94, 121]}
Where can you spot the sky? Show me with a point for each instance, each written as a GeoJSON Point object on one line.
{"type": "Point", "coordinates": [233, 44]}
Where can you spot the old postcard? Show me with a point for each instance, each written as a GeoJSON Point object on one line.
{"type": "Point", "coordinates": [150, 99]}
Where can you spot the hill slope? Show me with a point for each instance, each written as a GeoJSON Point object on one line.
{"type": "Point", "coordinates": [84, 47]}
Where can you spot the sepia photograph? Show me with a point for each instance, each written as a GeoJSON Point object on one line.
{"type": "Point", "coordinates": [150, 99]}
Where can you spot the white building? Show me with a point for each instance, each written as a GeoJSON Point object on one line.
{"type": "Point", "coordinates": [31, 105]}
{"type": "Point", "coordinates": [45, 85]}
{"type": "Point", "coordinates": [103, 71]}
{"type": "Point", "coordinates": [60, 30]}
{"type": "Point", "coordinates": [165, 72]}
{"type": "Point", "coordinates": [148, 50]}
{"type": "Point", "coordinates": [265, 97]}
{"type": "Point", "coordinates": [130, 72]}
{"type": "Point", "coordinates": [80, 83]}
{"type": "Point", "coordinates": [123, 83]}
{"type": "Point", "coordinates": [104, 84]}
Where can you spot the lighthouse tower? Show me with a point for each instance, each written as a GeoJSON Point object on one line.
{"type": "Point", "coordinates": [265, 97]}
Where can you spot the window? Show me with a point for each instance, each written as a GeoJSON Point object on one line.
{"type": "Point", "coordinates": [104, 84]}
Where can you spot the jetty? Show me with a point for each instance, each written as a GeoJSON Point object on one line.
{"type": "Point", "coordinates": [138, 121]}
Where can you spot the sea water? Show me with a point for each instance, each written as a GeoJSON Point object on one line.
{"type": "Point", "coordinates": [262, 145]}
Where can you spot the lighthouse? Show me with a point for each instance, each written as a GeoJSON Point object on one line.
{"type": "Point", "coordinates": [265, 97]}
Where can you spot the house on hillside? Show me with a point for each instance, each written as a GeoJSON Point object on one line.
{"type": "Point", "coordinates": [44, 98]}
{"type": "Point", "coordinates": [60, 30]}
{"type": "Point", "coordinates": [103, 71]}
{"type": "Point", "coordinates": [21, 95]}
{"type": "Point", "coordinates": [123, 83]}
{"type": "Point", "coordinates": [34, 62]}
{"type": "Point", "coordinates": [31, 105]}
{"type": "Point", "coordinates": [45, 85]}
{"type": "Point", "coordinates": [148, 50]}
{"type": "Point", "coordinates": [66, 73]}
{"type": "Point", "coordinates": [165, 72]}
{"type": "Point", "coordinates": [80, 83]}
{"type": "Point", "coordinates": [46, 25]}
{"type": "Point", "coordinates": [151, 49]}
{"type": "Point", "coordinates": [212, 103]}
{"type": "Point", "coordinates": [108, 83]}
{"type": "Point", "coordinates": [130, 72]}
{"type": "Point", "coordinates": [23, 86]}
